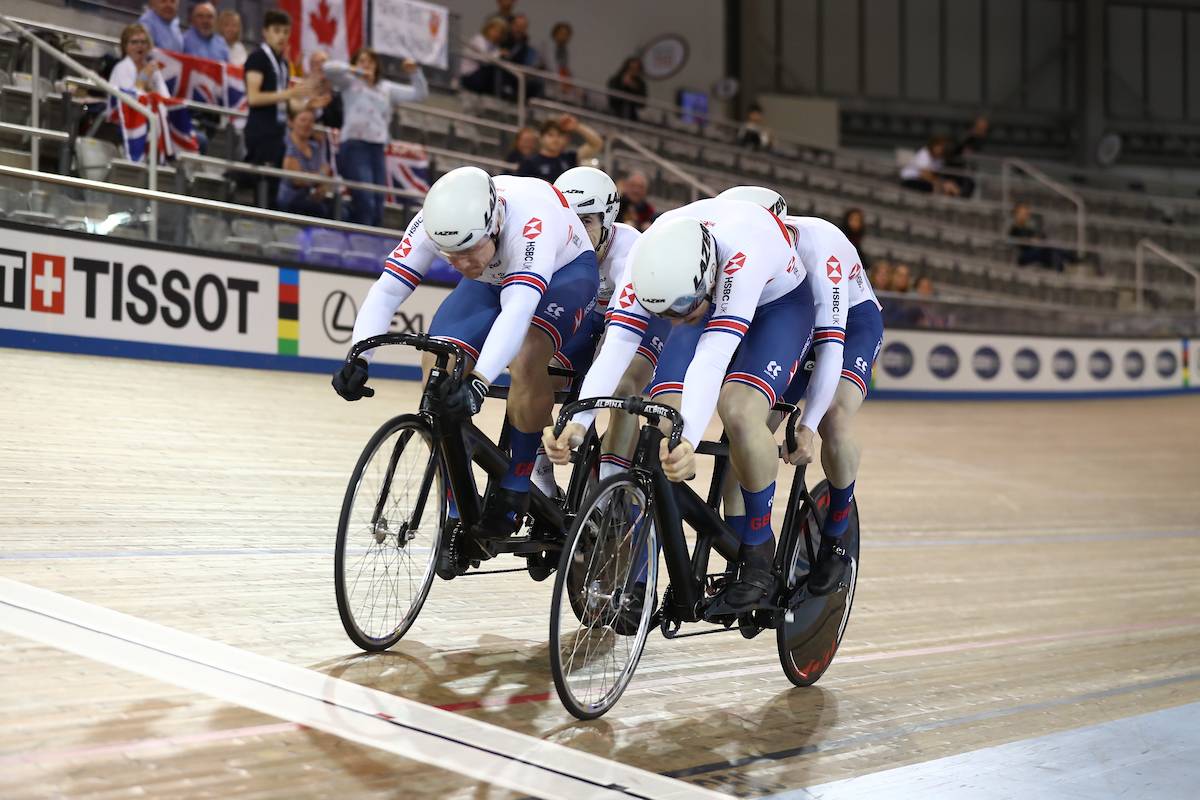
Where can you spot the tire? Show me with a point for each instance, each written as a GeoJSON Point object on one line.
{"type": "Point", "coordinates": [371, 563]}
{"type": "Point", "coordinates": [587, 610]}
{"type": "Point", "coordinates": [809, 642]}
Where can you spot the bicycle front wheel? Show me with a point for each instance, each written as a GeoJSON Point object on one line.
{"type": "Point", "coordinates": [603, 597]}
{"type": "Point", "coordinates": [388, 534]}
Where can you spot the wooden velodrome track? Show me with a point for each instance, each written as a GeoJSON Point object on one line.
{"type": "Point", "coordinates": [1026, 568]}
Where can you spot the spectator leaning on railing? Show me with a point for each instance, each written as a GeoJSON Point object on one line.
{"type": "Point", "coordinates": [136, 71]}
{"type": "Point", "coordinates": [267, 94]}
{"type": "Point", "coordinates": [481, 77]}
{"type": "Point", "coordinates": [201, 38]}
{"type": "Point", "coordinates": [367, 103]}
{"type": "Point", "coordinates": [162, 24]}
{"type": "Point", "coordinates": [551, 159]}
{"type": "Point", "coordinates": [229, 23]}
{"type": "Point", "coordinates": [304, 154]}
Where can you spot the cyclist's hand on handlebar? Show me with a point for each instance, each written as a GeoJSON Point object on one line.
{"type": "Point", "coordinates": [679, 464]}
{"type": "Point", "coordinates": [466, 400]}
{"type": "Point", "coordinates": [559, 450]}
{"type": "Point", "coordinates": [350, 380]}
{"type": "Point", "coordinates": [806, 446]}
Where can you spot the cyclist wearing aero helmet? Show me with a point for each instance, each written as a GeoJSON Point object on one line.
{"type": "Point", "coordinates": [529, 278]}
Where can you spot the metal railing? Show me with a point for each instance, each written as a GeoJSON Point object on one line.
{"type": "Point", "coordinates": [151, 118]}
{"type": "Point", "coordinates": [699, 188]}
{"type": "Point", "coordinates": [217, 206]}
{"type": "Point", "coordinates": [1148, 246]}
{"type": "Point", "coordinates": [1009, 165]}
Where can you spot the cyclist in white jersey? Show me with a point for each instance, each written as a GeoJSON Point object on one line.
{"type": "Point", "coordinates": [726, 271]}
{"type": "Point", "coordinates": [594, 197]}
{"type": "Point", "coordinates": [836, 373]}
{"type": "Point", "coordinates": [529, 279]}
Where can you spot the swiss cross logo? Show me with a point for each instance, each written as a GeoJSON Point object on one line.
{"type": "Point", "coordinates": [855, 271]}
{"type": "Point", "coordinates": [833, 268]}
{"type": "Point", "coordinates": [404, 248]}
{"type": "Point", "coordinates": [627, 298]}
{"type": "Point", "coordinates": [533, 228]}
{"type": "Point", "coordinates": [49, 281]}
{"type": "Point", "coordinates": [735, 263]}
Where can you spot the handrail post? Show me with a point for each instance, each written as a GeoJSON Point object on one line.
{"type": "Point", "coordinates": [521, 99]}
{"type": "Point", "coordinates": [1139, 264]}
{"type": "Point", "coordinates": [35, 111]}
{"type": "Point", "coordinates": [1172, 259]}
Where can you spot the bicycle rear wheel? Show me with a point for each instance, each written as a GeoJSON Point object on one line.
{"type": "Point", "coordinates": [809, 642]}
{"type": "Point", "coordinates": [388, 533]}
{"type": "Point", "coordinates": [603, 597]}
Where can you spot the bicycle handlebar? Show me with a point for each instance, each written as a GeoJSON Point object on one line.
{"type": "Point", "coordinates": [654, 412]}
{"type": "Point", "coordinates": [442, 348]}
{"type": "Point", "coordinates": [789, 433]}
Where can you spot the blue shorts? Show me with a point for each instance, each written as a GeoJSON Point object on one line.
{"type": "Point", "coordinates": [864, 337]}
{"type": "Point", "coordinates": [580, 351]}
{"type": "Point", "coordinates": [768, 356]}
{"type": "Point", "coordinates": [466, 316]}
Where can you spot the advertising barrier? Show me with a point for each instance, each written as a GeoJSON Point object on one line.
{"type": "Point", "coordinates": [89, 294]}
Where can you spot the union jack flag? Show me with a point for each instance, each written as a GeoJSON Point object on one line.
{"type": "Point", "coordinates": [407, 167]}
{"type": "Point", "coordinates": [174, 126]}
{"type": "Point", "coordinates": [192, 78]}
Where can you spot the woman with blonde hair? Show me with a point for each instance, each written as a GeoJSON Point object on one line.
{"type": "Point", "coordinates": [138, 71]}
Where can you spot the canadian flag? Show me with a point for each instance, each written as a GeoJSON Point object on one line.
{"type": "Point", "coordinates": [335, 26]}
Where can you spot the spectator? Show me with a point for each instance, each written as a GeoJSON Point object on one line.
{"type": "Point", "coordinates": [504, 12]}
{"type": "Point", "coordinates": [368, 103]}
{"type": "Point", "coordinates": [268, 94]}
{"type": "Point", "coordinates": [854, 226]}
{"type": "Point", "coordinates": [201, 38]}
{"type": "Point", "coordinates": [628, 79]}
{"type": "Point", "coordinates": [921, 173]}
{"type": "Point", "coordinates": [880, 274]}
{"type": "Point", "coordinates": [1025, 227]}
{"type": "Point", "coordinates": [970, 144]}
{"type": "Point", "coordinates": [635, 209]}
{"type": "Point", "coordinates": [481, 76]}
{"type": "Point", "coordinates": [525, 144]}
{"type": "Point", "coordinates": [924, 287]}
{"type": "Point", "coordinates": [162, 24]}
{"type": "Point", "coordinates": [901, 278]}
{"type": "Point", "coordinates": [521, 53]}
{"type": "Point", "coordinates": [558, 59]}
{"type": "Point", "coordinates": [551, 159]}
{"type": "Point", "coordinates": [754, 132]}
{"type": "Point", "coordinates": [229, 24]}
{"type": "Point", "coordinates": [324, 102]}
{"type": "Point", "coordinates": [304, 154]}
{"type": "Point", "coordinates": [136, 71]}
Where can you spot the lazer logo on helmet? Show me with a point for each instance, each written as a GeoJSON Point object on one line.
{"type": "Point", "coordinates": [445, 233]}
{"type": "Point", "coordinates": [571, 191]}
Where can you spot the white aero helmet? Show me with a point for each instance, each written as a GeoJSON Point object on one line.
{"type": "Point", "coordinates": [461, 209]}
{"type": "Point", "coordinates": [590, 191]}
{"type": "Point", "coordinates": [769, 199]}
{"type": "Point", "coordinates": [674, 266]}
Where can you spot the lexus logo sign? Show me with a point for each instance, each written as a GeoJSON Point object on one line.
{"type": "Point", "coordinates": [338, 316]}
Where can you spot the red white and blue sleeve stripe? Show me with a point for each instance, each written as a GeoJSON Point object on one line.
{"type": "Point", "coordinates": [830, 334]}
{"type": "Point", "coordinates": [630, 322]}
{"type": "Point", "coordinates": [409, 277]}
{"type": "Point", "coordinates": [735, 326]}
{"type": "Point", "coordinates": [530, 279]}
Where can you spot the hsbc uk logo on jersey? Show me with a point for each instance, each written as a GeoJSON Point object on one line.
{"type": "Point", "coordinates": [735, 263]}
{"type": "Point", "coordinates": [42, 278]}
{"type": "Point", "coordinates": [833, 269]}
{"type": "Point", "coordinates": [533, 228]}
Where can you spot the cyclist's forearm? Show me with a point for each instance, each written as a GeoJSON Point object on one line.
{"type": "Point", "coordinates": [702, 384]}
{"type": "Point", "coordinates": [375, 316]}
{"type": "Point", "coordinates": [823, 384]}
{"type": "Point", "coordinates": [508, 331]}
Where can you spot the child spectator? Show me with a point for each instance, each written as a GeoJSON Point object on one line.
{"type": "Point", "coordinates": [628, 79]}
{"type": "Point", "coordinates": [525, 144]}
{"type": "Point", "coordinates": [304, 154]}
{"type": "Point", "coordinates": [367, 103]}
{"type": "Point", "coordinates": [552, 159]}
{"type": "Point", "coordinates": [229, 24]}
{"type": "Point", "coordinates": [162, 24]}
{"type": "Point", "coordinates": [754, 132]}
{"type": "Point", "coordinates": [201, 38]}
{"type": "Point", "coordinates": [921, 173]}
{"type": "Point", "coordinates": [635, 209]}
{"type": "Point", "coordinates": [136, 71]}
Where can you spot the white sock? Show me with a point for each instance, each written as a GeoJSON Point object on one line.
{"type": "Point", "coordinates": [612, 465]}
{"type": "Point", "coordinates": [543, 474]}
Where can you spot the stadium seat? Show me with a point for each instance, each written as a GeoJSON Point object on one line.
{"type": "Point", "coordinates": [326, 247]}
